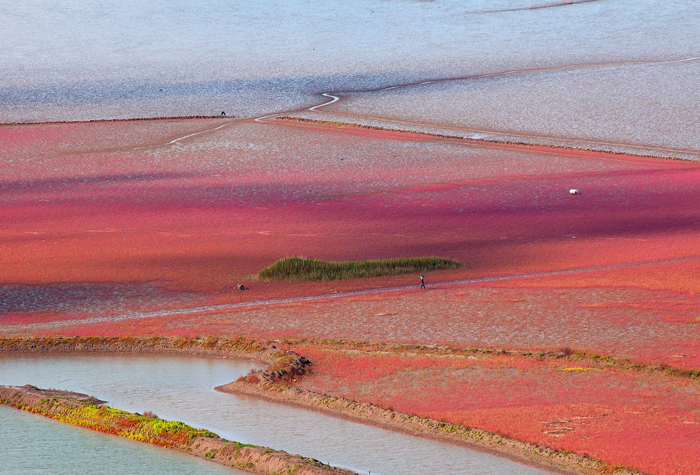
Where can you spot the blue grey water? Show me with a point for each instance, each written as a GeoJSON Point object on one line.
{"type": "Point", "coordinates": [181, 388]}
{"type": "Point", "coordinates": [630, 66]}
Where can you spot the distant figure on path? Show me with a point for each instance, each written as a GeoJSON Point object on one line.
{"type": "Point", "coordinates": [422, 282]}
{"type": "Point", "coordinates": [223, 114]}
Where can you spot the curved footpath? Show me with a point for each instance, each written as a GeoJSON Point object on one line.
{"type": "Point", "coordinates": [271, 384]}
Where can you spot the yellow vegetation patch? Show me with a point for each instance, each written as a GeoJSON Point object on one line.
{"type": "Point", "coordinates": [577, 369]}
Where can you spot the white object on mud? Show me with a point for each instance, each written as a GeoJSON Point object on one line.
{"type": "Point", "coordinates": [574, 191]}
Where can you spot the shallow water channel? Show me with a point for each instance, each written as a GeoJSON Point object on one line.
{"type": "Point", "coordinates": [181, 388]}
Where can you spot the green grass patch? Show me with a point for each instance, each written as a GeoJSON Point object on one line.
{"type": "Point", "coordinates": [296, 268]}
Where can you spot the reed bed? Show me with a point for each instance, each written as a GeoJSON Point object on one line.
{"type": "Point", "coordinates": [297, 268]}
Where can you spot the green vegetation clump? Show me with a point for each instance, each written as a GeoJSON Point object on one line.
{"type": "Point", "coordinates": [296, 268]}
{"type": "Point", "coordinates": [122, 423]}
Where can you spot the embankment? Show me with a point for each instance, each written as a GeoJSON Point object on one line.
{"type": "Point", "coordinates": [85, 411]}
{"type": "Point", "coordinates": [230, 347]}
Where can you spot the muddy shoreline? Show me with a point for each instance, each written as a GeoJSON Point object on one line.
{"type": "Point", "coordinates": [270, 385]}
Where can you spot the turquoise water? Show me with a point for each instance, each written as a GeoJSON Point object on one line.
{"type": "Point", "coordinates": [33, 444]}
{"type": "Point", "coordinates": [181, 388]}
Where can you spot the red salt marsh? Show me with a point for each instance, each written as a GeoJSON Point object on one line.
{"type": "Point", "coordinates": [202, 216]}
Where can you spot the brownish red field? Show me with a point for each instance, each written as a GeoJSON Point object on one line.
{"type": "Point", "coordinates": [108, 219]}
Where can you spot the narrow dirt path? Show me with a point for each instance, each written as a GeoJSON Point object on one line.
{"type": "Point", "coordinates": [178, 139]}
{"type": "Point", "coordinates": [338, 295]}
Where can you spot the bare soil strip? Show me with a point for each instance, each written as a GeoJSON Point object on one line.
{"type": "Point", "coordinates": [87, 412]}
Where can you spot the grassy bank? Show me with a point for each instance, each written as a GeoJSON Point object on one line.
{"type": "Point", "coordinates": [142, 428]}
{"type": "Point", "coordinates": [296, 268]}
{"type": "Point", "coordinates": [87, 412]}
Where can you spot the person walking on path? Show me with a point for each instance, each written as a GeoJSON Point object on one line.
{"type": "Point", "coordinates": [422, 282]}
